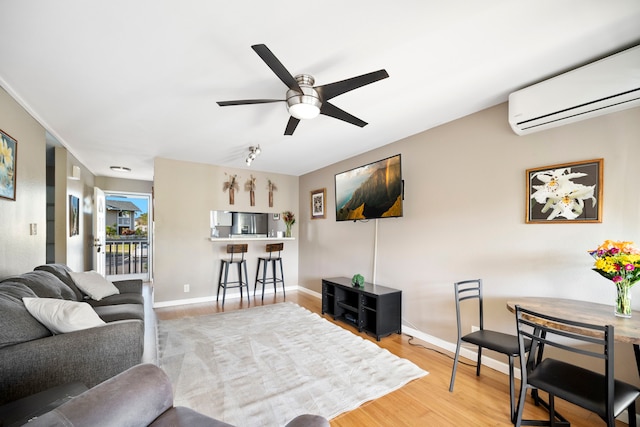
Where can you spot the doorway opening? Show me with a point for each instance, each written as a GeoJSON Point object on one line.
{"type": "Point", "coordinates": [128, 229]}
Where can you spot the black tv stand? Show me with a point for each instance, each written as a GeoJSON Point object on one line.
{"type": "Point", "coordinates": [373, 308]}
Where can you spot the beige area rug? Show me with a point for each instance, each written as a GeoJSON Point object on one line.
{"type": "Point", "coordinates": [265, 365]}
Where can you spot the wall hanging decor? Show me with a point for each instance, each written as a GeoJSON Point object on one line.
{"type": "Point", "coordinates": [317, 203]}
{"type": "Point", "coordinates": [74, 216]}
{"type": "Point", "coordinates": [231, 185]}
{"type": "Point", "coordinates": [250, 186]}
{"type": "Point", "coordinates": [272, 187]}
{"type": "Point", "coordinates": [8, 165]}
{"type": "Point", "coordinates": [565, 193]}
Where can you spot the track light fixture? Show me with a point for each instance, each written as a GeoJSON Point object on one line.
{"type": "Point", "coordinates": [253, 153]}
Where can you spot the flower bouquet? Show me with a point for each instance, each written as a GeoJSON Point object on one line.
{"type": "Point", "coordinates": [289, 219]}
{"type": "Point", "coordinates": [620, 263]}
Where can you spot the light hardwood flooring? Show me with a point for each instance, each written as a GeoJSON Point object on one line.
{"type": "Point", "coordinates": [475, 401]}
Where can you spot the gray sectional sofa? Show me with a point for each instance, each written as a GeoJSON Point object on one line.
{"type": "Point", "coordinates": [32, 359]}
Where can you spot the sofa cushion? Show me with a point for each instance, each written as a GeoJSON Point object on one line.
{"type": "Point", "coordinates": [112, 313]}
{"type": "Point", "coordinates": [61, 316]}
{"type": "Point", "coordinates": [16, 324]}
{"type": "Point", "coordinates": [117, 299]}
{"type": "Point", "coordinates": [93, 284]}
{"type": "Point", "coordinates": [181, 416]}
{"type": "Point", "coordinates": [61, 271]}
{"type": "Point", "coordinates": [45, 285]}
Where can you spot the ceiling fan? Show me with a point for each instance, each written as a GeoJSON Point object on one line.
{"type": "Point", "coordinates": [305, 101]}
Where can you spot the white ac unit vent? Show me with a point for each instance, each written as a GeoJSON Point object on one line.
{"type": "Point", "coordinates": [602, 87]}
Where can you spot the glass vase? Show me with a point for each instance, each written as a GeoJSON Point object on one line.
{"type": "Point", "coordinates": [288, 232]}
{"type": "Point", "coordinates": [623, 299]}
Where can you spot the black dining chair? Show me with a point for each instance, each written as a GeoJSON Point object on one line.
{"type": "Point", "coordinates": [599, 393]}
{"type": "Point", "coordinates": [500, 342]}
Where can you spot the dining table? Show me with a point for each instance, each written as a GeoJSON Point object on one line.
{"type": "Point", "coordinates": [625, 329]}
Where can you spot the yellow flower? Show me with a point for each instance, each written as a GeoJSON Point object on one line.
{"type": "Point", "coordinates": [6, 156]}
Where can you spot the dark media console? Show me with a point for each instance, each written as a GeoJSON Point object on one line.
{"type": "Point", "coordinates": [373, 308]}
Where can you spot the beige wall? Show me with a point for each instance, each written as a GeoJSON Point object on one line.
{"type": "Point", "coordinates": [184, 194]}
{"type": "Point", "coordinates": [75, 251]}
{"type": "Point", "coordinates": [464, 218]}
{"type": "Point", "coordinates": [20, 251]}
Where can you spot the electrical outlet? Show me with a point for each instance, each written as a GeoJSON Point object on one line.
{"type": "Point", "coordinates": [473, 328]}
{"type": "Point", "coordinates": [186, 288]}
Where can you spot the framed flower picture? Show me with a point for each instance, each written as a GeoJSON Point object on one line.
{"type": "Point", "coordinates": [565, 193]}
{"type": "Point", "coordinates": [8, 165]}
{"type": "Point", "coordinates": [317, 203]}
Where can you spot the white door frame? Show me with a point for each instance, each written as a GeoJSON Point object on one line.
{"type": "Point", "coordinates": [147, 277]}
{"type": "Point", "coordinates": [99, 232]}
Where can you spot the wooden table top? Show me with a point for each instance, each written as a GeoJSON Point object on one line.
{"type": "Point", "coordinates": [625, 329]}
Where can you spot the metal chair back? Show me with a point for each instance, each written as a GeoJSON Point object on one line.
{"type": "Point", "coordinates": [595, 391]}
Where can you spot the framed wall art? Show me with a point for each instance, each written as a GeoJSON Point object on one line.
{"type": "Point", "coordinates": [74, 216]}
{"type": "Point", "coordinates": [317, 203]}
{"type": "Point", "coordinates": [8, 165]}
{"type": "Point", "coordinates": [565, 193]}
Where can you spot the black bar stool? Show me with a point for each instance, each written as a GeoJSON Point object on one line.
{"type": "Point", "coordinates": [224, 267]}
{"type": "Point", "coordinates": [272, 259]}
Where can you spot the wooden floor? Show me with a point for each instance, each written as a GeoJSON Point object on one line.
{"type": "Point", "coordinates": [475, 401]}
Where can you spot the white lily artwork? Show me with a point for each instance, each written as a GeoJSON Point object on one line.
{"type": "Point", "coordinates": [565, 193]}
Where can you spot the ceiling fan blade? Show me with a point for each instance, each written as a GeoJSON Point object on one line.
{"type": "Point", "coordinates": [291, 125]}
{"type": "Point", "coordinates": [332, 90]}
{"type": "Point", "coordinates": [276, 66]}
{"type": "Point", "coordinates": [331, 110]}
{"type": "Point", "coordinates": [247, 101]}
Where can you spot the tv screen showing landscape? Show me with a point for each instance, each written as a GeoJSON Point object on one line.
{"type": "Point", "coordinates": [370, 191]}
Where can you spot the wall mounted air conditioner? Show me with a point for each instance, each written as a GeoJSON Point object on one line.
{"type": "Point", "coordinates": [602, 87]}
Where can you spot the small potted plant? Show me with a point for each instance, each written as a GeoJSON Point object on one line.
{"type": "Point", "coordinates": [357, 281]}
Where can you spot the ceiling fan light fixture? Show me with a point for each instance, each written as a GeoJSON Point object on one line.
{"type": "Point", "coordinates": [304, 101]}
{"type": "Point", "coordinates": [304, 111]}
{"type": "Point", "coordinates": [305, 105]}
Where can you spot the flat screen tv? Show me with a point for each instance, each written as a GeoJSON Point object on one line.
{"type": "Point", "coordinates": [370, 191]}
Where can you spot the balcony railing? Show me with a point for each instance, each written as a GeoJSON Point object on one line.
{"type": "Point", "coordinates": [127, 255]}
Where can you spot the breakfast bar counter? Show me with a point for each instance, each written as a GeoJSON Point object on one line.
{"type": "Point", "coordinates": [248, 239]}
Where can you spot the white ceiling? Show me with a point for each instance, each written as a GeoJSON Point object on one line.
{"type": "Point", "coordinates": [120, 82]}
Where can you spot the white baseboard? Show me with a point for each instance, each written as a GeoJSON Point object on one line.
{"type": "Point", "coordinates": [464, 352]}
{"type": "Point", "coordinates": [310, 292]}
{"type": "Point", "coordinates": [231, 294]}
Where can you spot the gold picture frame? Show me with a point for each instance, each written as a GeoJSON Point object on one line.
{"type": "Point", "coordinates": [318, 200]}
{"type": "Point", "coordinates": [565, 193]}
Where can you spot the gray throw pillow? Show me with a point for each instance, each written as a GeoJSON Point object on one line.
{"type": "Point", "coordinates": [16, 324]}
{"type": "Point", "coordinates": [61, 271]}
{"type": "Point", "coordinates": [45, 285]}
